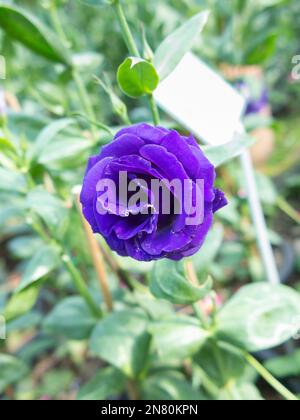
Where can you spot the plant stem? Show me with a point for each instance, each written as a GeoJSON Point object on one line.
{"type": "Point", "coordinates": [154, 110]}
{"type": "Point", "coordinates": [133, 50]}
{"type": "Point", "coordinates": [57, 24]}
{"type": "Point", "coordinates": [288, 209]}
{"type": "Point", "coordinates": [84, 97]}
{"type": "Point", "coordinates": [127, 35]}
{"type": "Point", "coordinates": [81, 286]}
{"type": "Point", "coordinates": [133, 390]}
{"type": "Point", "coordinates": [273, 382]}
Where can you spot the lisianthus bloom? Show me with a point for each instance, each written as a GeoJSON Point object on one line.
{"type": "Point", "coordinates": [146, 154]}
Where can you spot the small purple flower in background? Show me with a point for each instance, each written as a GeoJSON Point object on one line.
{"type": "Point", "coordinates": [254, 105]}
{"type": "Point", "coordinates": [151, 153]}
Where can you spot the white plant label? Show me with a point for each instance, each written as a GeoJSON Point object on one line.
{"type": "Point", "coordinates": [199, 98]}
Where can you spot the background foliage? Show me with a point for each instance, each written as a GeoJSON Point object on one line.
{"type": "Point", "coordinates": [165, 338]}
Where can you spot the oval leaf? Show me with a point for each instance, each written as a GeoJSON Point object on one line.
{"type": "Point", "coordinates": [21, 303]}
{"type": "Point", "coordinates": [121, 339]}
{"type": "Point", "coordinates": [27, 29]}
{"type": "Point", "coordinates": [49, 133]}
{"type": "Point", "coordinates": [168, 281]}
{"type": "Point", "coordinates": [71, 318]}
{"type": "Point", "coordinates": [49, 208]}
{"type": "Point", "coordinates": [107, 383]}
{"type": "Point", "coordinates": [42, 263]}
{"type": "Point", "coordinates": [176, 45]}
{"type": "Point", "coordinates": [178, 337]}
{"type": "Point", "coordinates": [12, 370]}
{"type": "Point", "coordinates": [260, 316]}
{"type": "Point", "coordinates": [137, 77]}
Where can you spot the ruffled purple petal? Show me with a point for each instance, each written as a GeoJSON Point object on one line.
{"type": "Point", "coordinates": [174, 144]}
{"type": "Point", "coordinates": [145, 131]}
{"type": "Point", "coordinates": [220, 200]}
{"type": "Point", "coordinates": [127, 144]}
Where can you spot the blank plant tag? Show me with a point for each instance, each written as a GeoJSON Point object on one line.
{"type": "Point", "coordinates": [201, 101]}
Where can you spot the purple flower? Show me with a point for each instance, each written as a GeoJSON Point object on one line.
{"type": "Point", "coordinates": [150, 153]}
{"type": "Point", "coordinates": [254, 105]}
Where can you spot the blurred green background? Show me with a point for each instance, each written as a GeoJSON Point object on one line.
{"type": "Point", "coordinates": [41, 357]}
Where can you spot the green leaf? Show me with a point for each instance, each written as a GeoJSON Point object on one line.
{"type": "Point", "coordinates": [175, 46]}
{"type": "Point", "coordinates": [107, 383]}
{"type": "Point", "coordinates": [71, 318]}
{"type": "Point", "coordinates": [7, 148]}
{"type": "Point", "coordinates": [40, 265]}
{"type": "Point", "coordinates": [26, 125]}
{"type": "Point", "coordinates": [63, 154]}
{"type": "Point", "coordinates": [121, 339]}
{"type": "Point", "coordinates": [49, 133]}
{"type": "Point", "coordinates": [155, 308]}
{"type": "Point", "coordinates": [261, 48]}
{"type": "Point", "coordinates": [21, 303]}
{"type": "Point", "coordinates": [178, 337]}
{"type": "Point", "coordinates": [55, 382]}
{"type": "Point", "coordinates": [49, 208]}
{"type": "Point", "coordinates": [37, 348]}
{"type": "Point", "coordinates": [169, 386]}
{"type": "Point", "coordinates": [12, 181]}
{"type": "Point", "coordinates": [221, 362]}
{"type": "Point", "coordinates": [11, 370]}
{"type": "Point", "coordinates": [168, 281]}
{"type": "Point", "coordinates": [137, 77]}
{"type": "Point", "coordinates": [260, 316]}
{"type": "Point", "coordinates": [23, 322]}
{"type": "Point", "coordinates": [32, 33]}
{"type": "Point", "coordinates": [285, 366]}
{"type": "Point", "coordinates": [218, 155]}
{"type": "Point", "coordinates": [203, 260]}
{"type": "Point", "coordinates": [23, 247]}
{"type": "Point", "coordinates": [244, 391]}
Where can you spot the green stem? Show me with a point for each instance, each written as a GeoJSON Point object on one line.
{"type": "Point", "coordinates": [127, 35]}
{"type": "Point", "coordinates": [81, 286]}
{"type": "Point", "coordinates": [288, 209]}
{"type": "Point", "coordinates": [273, 382]}
{"type": "Point", "coordinates": [133, 50]}
{"type": "Point", "coordinates": [83, 94]}
{"type": "Point", "coordinates": [154, 110]}
{"type": "Point", "coordinates": [57, 24]}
